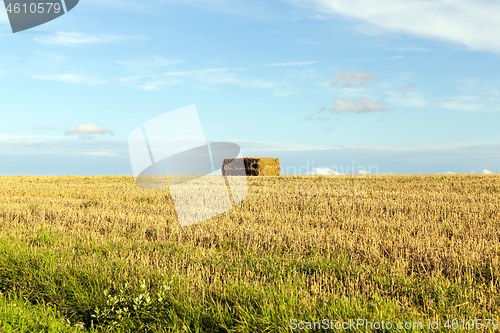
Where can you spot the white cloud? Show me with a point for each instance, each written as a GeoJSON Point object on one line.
{"type": "Point", "coordinates": [346, 92]}
{"type": "Point", "coordinates": [221, 75]}
{"type": "Point", "coordinates": [292, 64]}
{"type": "Point", "coordinates": [271, 146]}
{"type": "Point", "coordinates": [358, 78]}
{"type": "Point", "coordinates": [461, 106]}
{"type": "Point", "coordinates": [155, 62]}
{"type": "Point", "coordinates": [471, 103]}
{"type": "Point", "coordinates": [71, 78]}
{"type": "Point", "coordinates": [158, 84]}
{"type": "Point", "coordinates": [319, 17]}
{"type": "Point", "coordinates": [203, 88]}
{"type": "Point", "coordinates": [43, 145]}
{"type": "Point", "coordinates": [487, 172]}
{"type": "Point", "coordinates": [76, 38]}
{"type": "Point", "coordinates": [143, 64]}
{"type": "Point", "coordinates": [323, 171]}
{"type": "Point", "coordinates": [411, 100]}
{"type": "Point", "coordinates": [209, 76]}
{"type": "Point", "coordinates": [407, 48]}
{"type": "Point", "coordinates": [87, 130]}
{"type": "Point", "coordinates": [288, 146]}
{"type": "Point", "coordinates": [6, 138]}
{"type": "Point", "coordinates": [473, 23]}
{"type": "Point", "coordinates": [361, 105]}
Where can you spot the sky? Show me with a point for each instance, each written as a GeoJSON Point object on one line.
{"type": "Point", "coordinates": [326, 86]}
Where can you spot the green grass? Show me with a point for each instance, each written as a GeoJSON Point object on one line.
{"type": "Point", "coordinates": [110, 257]}
{"type": "Point", "coordinates": [19, 315]}
{"type": "Point", "coordinates": [92, 284]}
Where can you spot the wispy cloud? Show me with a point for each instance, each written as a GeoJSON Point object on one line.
{"type": "Point", "coordinates": [157, 84]}
{"type": "Point", "coordinates": [407, 49]}
{"type": "Point", "coordinates": [414, 100]}
{"type": "Point", "coordinates": [406, 96]}
{"type": "Point", "coordinates": [7, 138]}
{"type": "Point", "coordinates": [71, 78]}
{"type": "Point", "coordinates": [76, 38]}
{"type": "Point", "coordinates": [272, 146]}
{"type": "Point", "coordinates": [349, 159]}
{"type": "Point", "coordinates": [87, 131]}
{"type": "Point", "coordinates": [473, 23]}
{"type": "Point", "coordinates": [39, 152]}
{"type": "Point", "coordinates": [221, 75]}
{"type": "Point", "coordinates": [44, 145]}
{"type": "Point", "coordinates": [146, 64]}
{"type": "Point", "coordinates": [356, 79]}
{"type": "Point", "coordinates": [318, 17]}
{"type": "Point", "coordinates": [207, 76]}
{"type": "Point", "coordinates": [359, 105]}
{"type": "Point", "coordinates": [459, 106]}
{"type": "Point", "coordinates": [487, 172]}
{"type": "Point", "coordinates": [305, 63]}
{"type": "Point", "coordinates": [466, 104]}
{"type": "Point", "coordinates": [349, 80]}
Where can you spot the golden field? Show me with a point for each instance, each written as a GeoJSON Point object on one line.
{"type": "Point", "coordinates": [306, 247]}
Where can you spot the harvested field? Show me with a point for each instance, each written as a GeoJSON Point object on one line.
{"type": "Point", "coordinates": [112, 257]}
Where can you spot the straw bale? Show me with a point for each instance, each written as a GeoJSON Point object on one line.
{"type": "Point", "coordinates": [253, 166]}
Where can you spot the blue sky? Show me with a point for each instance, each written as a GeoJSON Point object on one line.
{"type": "Point", "coordinates": [327, 86]}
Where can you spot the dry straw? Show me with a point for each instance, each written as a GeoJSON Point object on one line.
{"type": "Point", "coordinates": [410, 246]}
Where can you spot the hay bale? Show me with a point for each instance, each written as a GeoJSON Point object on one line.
{"type": "Point", "coordinates": [253, 166]}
